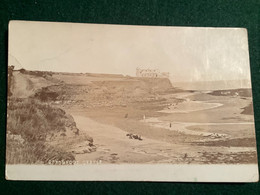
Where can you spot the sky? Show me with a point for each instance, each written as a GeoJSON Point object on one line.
{"type": "Point", "coordinates": [189, 54]}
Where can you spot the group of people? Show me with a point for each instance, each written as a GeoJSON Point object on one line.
{"type": "Point", "coordinates": [134, 136]}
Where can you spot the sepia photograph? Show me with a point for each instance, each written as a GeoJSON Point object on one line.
{"type": "Point", "coordinates": [125, 102]}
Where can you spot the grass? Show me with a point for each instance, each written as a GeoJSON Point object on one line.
{"type": "Point", "coordinates": [28, 124]}
{"type": "Point", "coordinates": [33, 153]}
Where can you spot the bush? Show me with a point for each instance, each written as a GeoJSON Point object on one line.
{"type": "Point", "coordinates": [46, 95]}
{"type": "Point", "coordinates": [33, 121]}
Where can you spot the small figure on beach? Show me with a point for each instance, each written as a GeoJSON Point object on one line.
{"type": "Point", "coordinates": [144, 117]}
{"type": "Point", "coordinates": [170, 125]}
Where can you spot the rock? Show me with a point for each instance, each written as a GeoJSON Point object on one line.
{"type": "Point", "coordinates": [86, 150]}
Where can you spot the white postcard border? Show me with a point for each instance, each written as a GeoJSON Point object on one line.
{"type": "Point", "coordinates": [134, 172]}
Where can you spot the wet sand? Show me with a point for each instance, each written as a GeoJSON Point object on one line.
{"type": "Point", "coordinates": [183, 127]}
{"type": "Point", "coordinates": [113, 146]}
{"type": "Point", "coordinates": [190, 106]}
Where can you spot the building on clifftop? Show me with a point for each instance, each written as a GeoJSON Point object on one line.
{"type": "Point", "coordinates": [151, 73]}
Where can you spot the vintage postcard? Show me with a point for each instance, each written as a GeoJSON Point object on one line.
{"type": "Point", "coordinates": [129, 103]}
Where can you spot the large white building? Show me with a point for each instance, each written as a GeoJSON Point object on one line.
{"type": "Point", "coordinates": [151, 73]}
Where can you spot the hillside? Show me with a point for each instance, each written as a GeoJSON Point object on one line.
{"type": "Point", "coordinates": [94, 90]}
{"type": "Point", "coordinates": [30, 83]}
{"type": "Point", "coordinates": [38, 132]}
{"type": "Point", "coordinates": [37, 116]}
{"type": "Point", "coordinates": [88, 90]}
{"type": "Point", "coordinates": [97, 118]}
{"type": "Point", "coordinates": [24, 85]}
